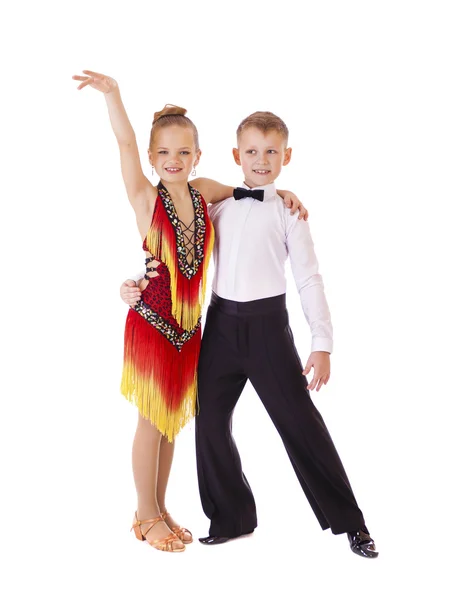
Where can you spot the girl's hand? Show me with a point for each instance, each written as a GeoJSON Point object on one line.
{"type": "Point", "coordinates": [293, 202]}
{"type": "Point", "coordinates": [99, 82]}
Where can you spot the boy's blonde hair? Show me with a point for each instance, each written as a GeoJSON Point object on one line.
{"type": "Point", "coordinates": [264, 121]}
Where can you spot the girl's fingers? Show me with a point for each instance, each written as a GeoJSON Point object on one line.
{"type": "Point", "coordinates": [93, 73]}
{"type": "Point", "coordinates": [303, 214]}
{"type": "Point", "coordinates": [85, 81]}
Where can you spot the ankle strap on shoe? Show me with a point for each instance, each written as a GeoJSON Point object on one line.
{"type": "Point", "coordinates": [153, 522]}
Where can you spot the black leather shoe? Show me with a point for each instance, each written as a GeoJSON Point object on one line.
{"type": "Point", "coordinates": [362, 544]}
{"type": "Point", "coordinates": [213, 540]}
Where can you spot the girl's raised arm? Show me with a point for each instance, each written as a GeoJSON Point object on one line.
{"type": "Point", "coordinates": [138, 187]}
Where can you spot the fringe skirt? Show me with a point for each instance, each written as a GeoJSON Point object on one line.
{"type": "Point", "coordinates": [160, 364]}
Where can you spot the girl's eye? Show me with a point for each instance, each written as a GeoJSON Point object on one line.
{"type": "Point", "coordinates": [162, 152]}
{"type": "Point", "coordinates": [185, 152]}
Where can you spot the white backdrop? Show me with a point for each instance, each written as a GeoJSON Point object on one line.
{"type": "Point", "coordinates": [378, 99]}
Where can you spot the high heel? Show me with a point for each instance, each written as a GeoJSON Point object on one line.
{"type": "Point", "coordinates": [164, 544]}
{"type": "Point", "coordinates": [181, 532]}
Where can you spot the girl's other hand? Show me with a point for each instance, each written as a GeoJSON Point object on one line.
{"type": "Point", "coordinates": [293, 202]}
{"type": "Point", "coordinates": [99, 82]}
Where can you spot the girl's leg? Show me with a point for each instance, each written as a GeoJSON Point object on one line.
{"type": "Point", "coordinates": [166, 454]}
{"type": "Point", "coordinates": [145, 459]}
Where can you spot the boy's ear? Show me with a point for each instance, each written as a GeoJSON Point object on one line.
{"type": "Point", "coordinates": [287, 156]}
{"type": "Point", "coordinates": [236, 156]}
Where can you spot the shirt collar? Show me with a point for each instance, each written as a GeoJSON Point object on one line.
{"type": "Point", "coordinates": [269, 190]}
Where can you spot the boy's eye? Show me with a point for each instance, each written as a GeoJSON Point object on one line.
{"type": "Point", "coordinates": [272, 152]}
{"type": "Point", "coordinates": [251, 151]}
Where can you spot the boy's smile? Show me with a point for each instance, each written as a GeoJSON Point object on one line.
{"type": "Point", "coordinates": [261, 155]}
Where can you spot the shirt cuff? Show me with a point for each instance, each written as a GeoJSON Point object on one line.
{"type": "Point", "coordinates": [322, 345]}
{"type": "Point", "coordinates": [137, 276]}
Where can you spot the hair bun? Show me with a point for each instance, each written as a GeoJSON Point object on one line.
{"type": "Point", "coordinates": [169, 109]}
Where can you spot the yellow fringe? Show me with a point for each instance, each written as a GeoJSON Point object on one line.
{"type": "Point", "coordinates": [144, 393]}
{"type": "Point", "coordinates": [185, 313]}
{"type": "Point", "coordinates": [207, 256]}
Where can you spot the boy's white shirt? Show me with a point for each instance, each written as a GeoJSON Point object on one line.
{"type": "Point", "coordinates": [253, 240]}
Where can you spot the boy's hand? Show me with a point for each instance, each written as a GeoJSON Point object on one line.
{"type": "Point", "coordinates": [320, 362]}
{"type": "Point", "coordinates": [130, 292]}
{"type": "Point", "coordinates": [293, 202]}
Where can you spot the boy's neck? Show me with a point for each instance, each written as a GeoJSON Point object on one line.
{"type": "Point", "coordinates": [252, 187]}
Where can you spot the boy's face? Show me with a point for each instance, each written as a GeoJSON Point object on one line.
{"type": "Point", "coordinates": [261, 156]}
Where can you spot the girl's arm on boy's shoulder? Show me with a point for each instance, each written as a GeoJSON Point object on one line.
{"type": "Point", "coordinates": [212, 190]}
{"type": "Point", "coordinates": [139, 189]}
{"type": "Point", "coordinates": [293, 202]}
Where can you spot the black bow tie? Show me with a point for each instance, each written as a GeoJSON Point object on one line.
{"type": "Point", "coordinates": [239, 193]}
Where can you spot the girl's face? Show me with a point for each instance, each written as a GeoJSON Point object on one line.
{"type": "Point", "coordinates": [173, 154]}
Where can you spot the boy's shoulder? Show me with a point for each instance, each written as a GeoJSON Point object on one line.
{"type": "Point", "coordinates": [215, 209]}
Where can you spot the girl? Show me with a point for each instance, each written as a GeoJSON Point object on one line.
{"type": "Point", "coordinates": [162, 333]}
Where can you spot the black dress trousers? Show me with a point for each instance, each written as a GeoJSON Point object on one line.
{"type": "Point", "coordinates": [253, 340]}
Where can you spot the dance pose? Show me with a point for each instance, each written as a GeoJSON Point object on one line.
{"type": "Point", "coordinates": [163, 329]}
{"type": "Point", "coordinates": [247, 336]}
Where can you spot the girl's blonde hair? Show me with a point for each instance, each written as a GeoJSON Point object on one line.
{"type": "Point", "coordinates": [172, 115]}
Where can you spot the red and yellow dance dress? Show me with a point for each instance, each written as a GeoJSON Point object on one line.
{"type": "Point", "coordinates": [163, 330]}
